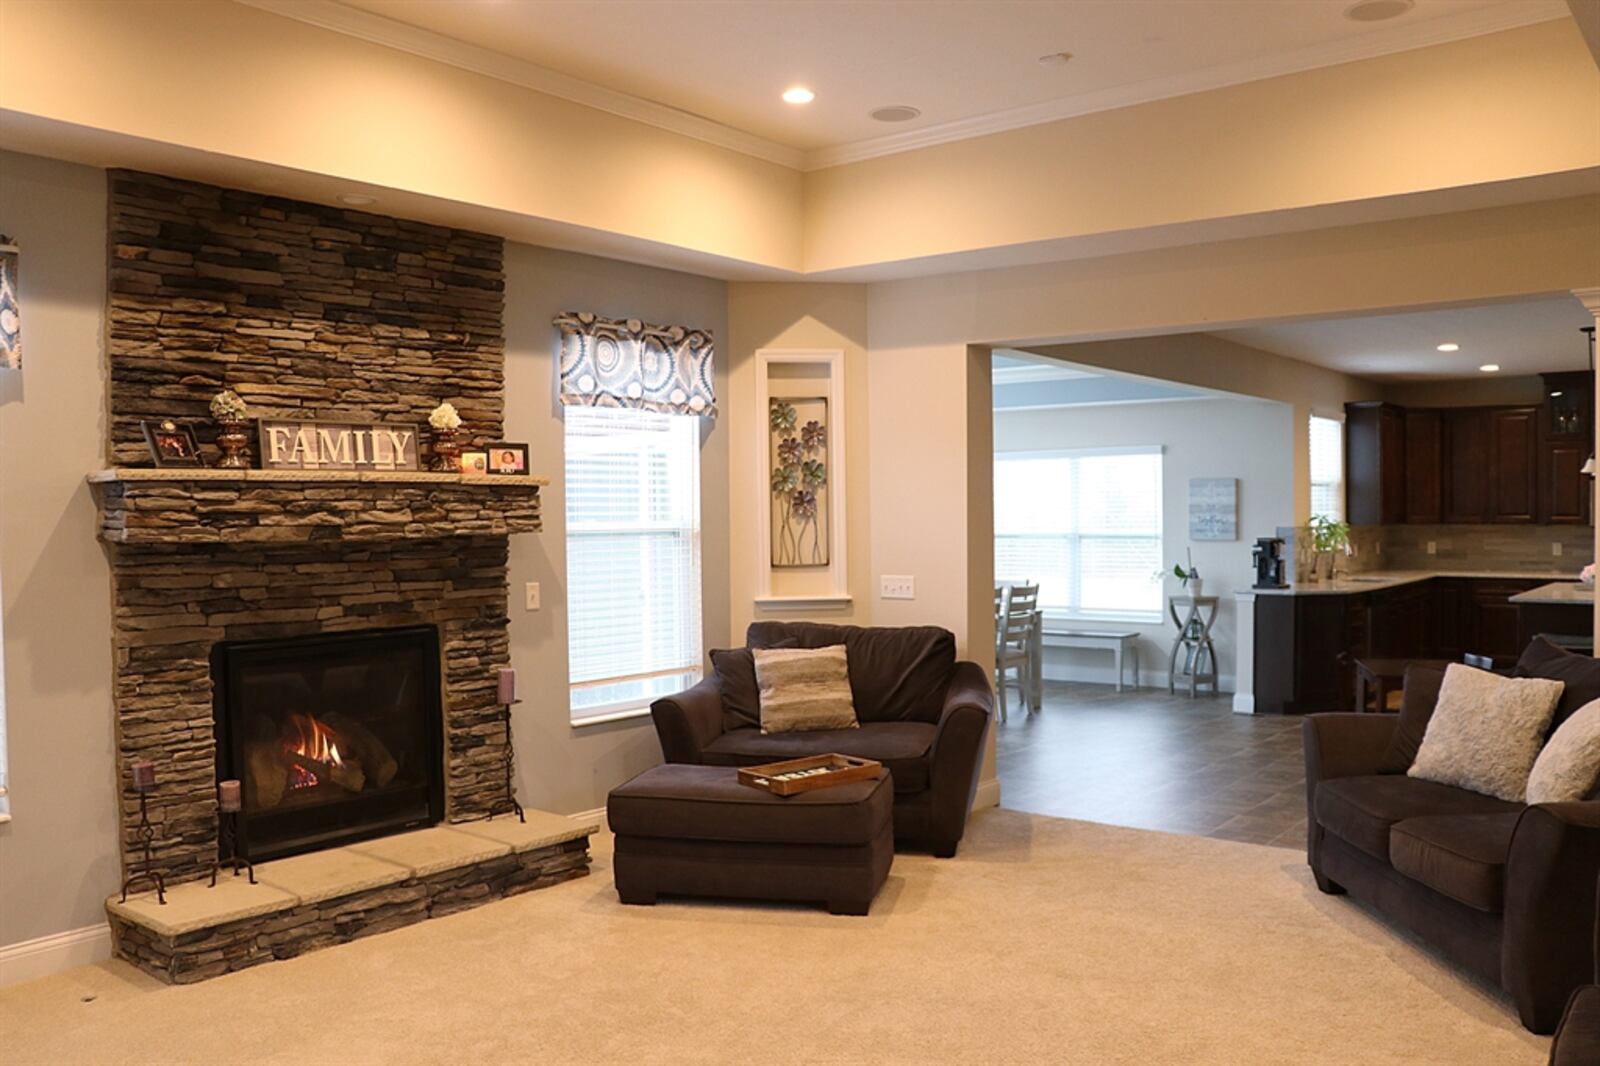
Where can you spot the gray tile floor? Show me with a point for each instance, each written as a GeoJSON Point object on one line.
{"type": "Point", "coordinates": [1153, 761]}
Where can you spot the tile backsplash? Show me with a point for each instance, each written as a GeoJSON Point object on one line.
{"type": "Point", "coordinates": [1462, 547]}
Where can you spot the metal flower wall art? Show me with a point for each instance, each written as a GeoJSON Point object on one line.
{"type": "Point", "coordinates": [799, 481]}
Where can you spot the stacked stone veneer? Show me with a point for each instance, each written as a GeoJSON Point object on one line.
{"type": "Point", "coordinates": [312, 312]}
{"type": "Point", "coordinates": [305, 311]}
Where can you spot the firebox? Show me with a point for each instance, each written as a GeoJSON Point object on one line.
{"type": "Point", "coordinates": [334, 737]}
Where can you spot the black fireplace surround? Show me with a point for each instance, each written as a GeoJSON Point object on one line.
{"type": "Point", "coordinates": [335, 737]}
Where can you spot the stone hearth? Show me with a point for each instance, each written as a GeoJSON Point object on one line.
{"type": "Point", "coordinates": [335, 896]}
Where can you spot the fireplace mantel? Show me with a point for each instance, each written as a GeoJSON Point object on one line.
{"type": "Point", "coordinates": [149, 506]}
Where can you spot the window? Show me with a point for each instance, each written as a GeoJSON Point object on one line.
{"type": "Point", "coordinates": [633, 557]}
{"type": "Point", "coordinates": [1085, 526]}
{"type": "Point", "coordinates": [1327, 467]}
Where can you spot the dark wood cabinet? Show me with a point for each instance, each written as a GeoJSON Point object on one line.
{"type": "Point", "coordinates": [1565, 492]}
{"type": "Point", "coordinates": [1375, 464]}
{"type": "Point", "coordinates": [1513, 464]}
{"type": "Point", "coordinates": [1424, 476]}
{"type": "Point", "coordinates": [1466, 451]}
{"type": "Point", "coordinates": [1299, 640]}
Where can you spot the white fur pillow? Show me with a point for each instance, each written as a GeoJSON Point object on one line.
{"type": "Point", "coordinates": [1485, 731]}
{"type": "Point", "coordinates": [1569, 766]}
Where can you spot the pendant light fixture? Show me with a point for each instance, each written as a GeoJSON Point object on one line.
{"type": "Point", "coordinates": [1588, 467]}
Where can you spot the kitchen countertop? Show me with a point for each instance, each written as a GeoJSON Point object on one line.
{"type": "Point", "coordinates": [1378, 580]}
{"type": "Point", "coordinates": [1560, 594]}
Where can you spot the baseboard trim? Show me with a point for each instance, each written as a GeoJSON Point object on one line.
{"type": "Point", "coordinates": [988, 794]}
{"type": "Point", "coordinates": [1244, 703]}
{"type": "Point", "coordinates": [46, 955]}
{"type": "Point", "coordinates": [596, 815]}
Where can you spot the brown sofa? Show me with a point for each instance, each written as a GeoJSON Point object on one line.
{"type": "Point", "coordinates": [1506, 891]}
{"type": "Point", "coordinates": [923, 715]}
{"type": "Point", "coordinates": [1577, 1041]}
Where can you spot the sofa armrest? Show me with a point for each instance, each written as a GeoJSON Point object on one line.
{"type": "Point", "coordinates": [957, 755]}
{"type": "Point", "coordinates": [1549, 945]}
{"type": "Point", "coordinates": [687, 722]}
{"type": "Point", "coordinates": [1343, 745]}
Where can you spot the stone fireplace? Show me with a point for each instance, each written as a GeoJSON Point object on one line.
{"type": "Point", "coordinates": [335, 738]}
{"type": "Point", "coordinates": [330, 638]}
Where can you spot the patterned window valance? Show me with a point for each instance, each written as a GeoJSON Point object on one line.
{"type": "Point", "coordinates": [610, 363]}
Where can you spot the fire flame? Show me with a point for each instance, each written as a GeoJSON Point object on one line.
{"type": "Point", "coordinates": [311, 740]}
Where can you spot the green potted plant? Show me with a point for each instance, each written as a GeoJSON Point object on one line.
{"type": "Point", "coordinates": [1188, 575]}
{"type": "Point", "coordinates": [1328, 536]}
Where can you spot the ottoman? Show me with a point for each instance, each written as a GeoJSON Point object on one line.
{"type": "Point", "coordinates": [693, 830]}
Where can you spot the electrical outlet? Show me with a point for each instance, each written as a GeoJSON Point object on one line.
{"type": "Point", "coordinates": [531, 595]}
{"type": "Point", "coordinates": [1433, 549]}
{"type": "Point", "coordinates": [1555, 549]}
{"type": "Point", "coordinates": [898, 587]}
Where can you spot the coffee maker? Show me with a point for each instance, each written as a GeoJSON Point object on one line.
{"type": "Point", "coordinates": [1268, 556]}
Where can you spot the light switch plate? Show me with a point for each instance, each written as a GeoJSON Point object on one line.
{"type": "Point", "coordinates": [1433, 549]}
{"type": "Point", "coordinates": [897, 587]}
{"type": "Point", "coordinates": [1555, 548]}
{"type": "Point", "coordinates": [531, 595]}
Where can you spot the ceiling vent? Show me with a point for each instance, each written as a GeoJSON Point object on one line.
{"type": "Point", "coordinates": [894, 113]}
{"type": "Point", "coordinates": [1377, 10]}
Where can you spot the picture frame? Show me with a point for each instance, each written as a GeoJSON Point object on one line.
{"type": "Point", "coordinates": [172, 444]}
{"type": "Point", "coordinates": [475, 464]}
{"type": "Point", "coordinates": [507, 458]}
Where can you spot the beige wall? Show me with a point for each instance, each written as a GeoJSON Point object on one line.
{"type": "Point", "coordinates": [58, 856]}
{"type": "Point", "coordinates": [1237, 438]}
{"type": "Point", "coordinates": [234, 81]}
{"type": "Point", "coordinates": [561, 768]}
{"type": "Point", "coordinates": [795, 316]}
{"type": "Point", "coordinates": [1488, 109]}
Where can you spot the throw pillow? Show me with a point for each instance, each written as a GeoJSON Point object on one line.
{"type": "Point", "coordinates": [1419, 692]}
{"type": "Point", "coordinates": [1569, 766]}
{"type": "Point", "coordinates": [804, 689]}
{"type": "Point", "coordinates": [1485, 732]}
{"type": "Point", "coordinates": [741, 698]}
{"type": "Point", "coordinates": [1580, 673]}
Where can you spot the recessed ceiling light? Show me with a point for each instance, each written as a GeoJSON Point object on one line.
{"type": "Point", "coordinates": [355, 199]}
{"type": "Point", "coordinates": [799, 94]}
{"type": "Point", "coordinates": [1056, 59]}
{"type": "Point", "coordinates": [1450, 347]}
{"type": "Point", "coordinates": [1489, 368]}
{"type": "Point", "coordinates": [1377, 10]}
{"type": "Point", "coordinates": [894, 113]}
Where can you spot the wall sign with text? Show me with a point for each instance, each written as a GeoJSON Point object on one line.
{"type": "Point", "coordinates": [337, 446]}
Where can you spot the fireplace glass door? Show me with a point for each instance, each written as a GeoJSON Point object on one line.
{"type": "Point", "coordinates": [334, 737]}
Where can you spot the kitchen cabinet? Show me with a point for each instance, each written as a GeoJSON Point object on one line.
{"type": "Point", "coordinates": [1375, 464]}
{"type": "Point", "coordinates": [1513, 464]}
{"type": "Point", "coordinates": [1424, 467]}
{"type": "Point", "coordinates": [1299, 640]}
{"type": "Point", "coordinates": [1565, 494]}
{"type": "Point", "coordinates": [1466, 449]}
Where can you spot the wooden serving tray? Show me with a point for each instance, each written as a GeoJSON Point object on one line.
{"type": "Point", "coordinates": [805, 775]}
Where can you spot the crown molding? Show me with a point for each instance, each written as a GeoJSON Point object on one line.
{"type": "Point", "coordinates": [1404, 37]}
{"type": "Point", "coordinates": [375, 29]}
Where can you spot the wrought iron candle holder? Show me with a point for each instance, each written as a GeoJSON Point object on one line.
{"type": "Point", "coordinates": [510, 805]}
{"type": "Point", "coordinates": [228, 799]}
{"type": "Point", "coordinates": [144, 779]}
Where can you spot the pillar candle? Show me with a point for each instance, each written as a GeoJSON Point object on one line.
{"type": "Point", "coordinates": [144, 776]}
{"type": "Point", "coordinates": [508, 685]}
{"type": "Point", "coordinates": [229, 795]}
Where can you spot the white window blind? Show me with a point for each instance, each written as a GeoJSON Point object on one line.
{"type": "Point", "coordinates": [633, 557]}
{"type": "Point", "coordinates": [1327, 467]}
{"type": "Point", "coordinates": [1085, 526]}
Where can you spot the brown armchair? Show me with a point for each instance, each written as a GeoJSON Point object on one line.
{"type": "Point", "coordinates": [922, 713]}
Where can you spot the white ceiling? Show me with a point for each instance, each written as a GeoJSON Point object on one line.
{"type": "Point", "coordinates": [971, 66]}
{"type": "Point", "coordinates": [1527, 337]}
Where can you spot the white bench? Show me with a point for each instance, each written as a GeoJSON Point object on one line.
{"type": "Point", "coordinates": [1118, 643]}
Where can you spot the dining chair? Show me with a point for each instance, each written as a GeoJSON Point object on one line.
{"type": "Point", "coordinates": [1016, 620]}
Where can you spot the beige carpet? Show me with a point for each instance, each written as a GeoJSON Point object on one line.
{"type": "Point", "coordinates": [1045, 941]}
